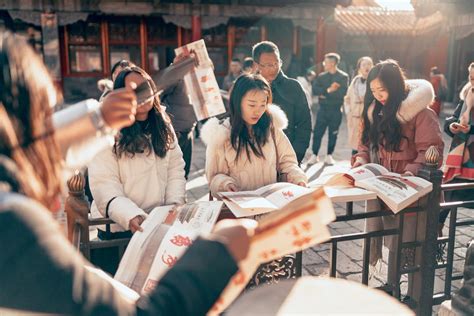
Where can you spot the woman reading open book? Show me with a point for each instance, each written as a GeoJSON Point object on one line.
{"type": "Point", "coordinates": [398, 128]}
{"type": "Point", "coordinates": [249, 150]}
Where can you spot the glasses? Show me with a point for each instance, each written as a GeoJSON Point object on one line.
{"type": "Point", "coordinates": [274, 65]}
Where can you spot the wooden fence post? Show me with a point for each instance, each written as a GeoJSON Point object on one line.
{"type": "Point", "coordinates": [77, 209]}
{"type": "Point", "coordinates": [427, 234]}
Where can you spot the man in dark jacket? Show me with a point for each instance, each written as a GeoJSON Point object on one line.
{"type": "Point", "coordinates": [331, 87]}
{"type": "Point", "coordinates": [287, 93]}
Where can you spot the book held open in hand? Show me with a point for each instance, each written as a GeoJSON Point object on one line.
{"type": "Point", "coordinates": [280, 195]}
{"type": "Point", "coordinates": [288, 230]}
{"type": "Point", "coordinates": [167, 232]}
{"type": "Point", "coordinates": [395, 190]}
{"type": "Point", "coordinates": [201, 83]}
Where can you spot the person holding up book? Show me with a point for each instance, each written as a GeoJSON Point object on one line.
{"type": "Point", "coordinates": [40, 271]}
{"type": "Point", "coordinates": [398, 128]}
{"type": "Point", "coordinates": [354, 101]}
{"type": "Point", "coordinates": [144, 170]}
{"type": "Point", "coordinates": [459, 166]}
{"type": "Point", "coordinates": [249, 149]}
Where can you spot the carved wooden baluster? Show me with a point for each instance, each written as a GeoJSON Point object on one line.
{"type": "Point", "coordinates": [77, 208]}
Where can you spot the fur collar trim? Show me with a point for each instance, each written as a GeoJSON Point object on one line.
{"type": "Point", "coordinates": [217, 132]}
{"type": "Point", "coordinates": [420, 96]}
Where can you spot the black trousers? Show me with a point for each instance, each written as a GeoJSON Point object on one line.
{"type": "Point", "coordinates": [185, 141]}
{"type": "Point", "coordinates": [330, 120]}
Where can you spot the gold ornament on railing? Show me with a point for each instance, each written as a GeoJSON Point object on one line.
{"type": "Point", "coordinates": [432, 157]}
{"type": "Point", "coordinates": [76, 183]}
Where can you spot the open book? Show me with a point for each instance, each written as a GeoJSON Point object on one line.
{"type": "Point", "coordinates": [201, 83]}
{"type": "Point", "coordinates": [167, 232]}
{"type": "Point", "coordinates": [396, 191]}
{"type": "Point", "coordinates": [286, 231]}
{"type": "Point", "coordinates": [271, 197]}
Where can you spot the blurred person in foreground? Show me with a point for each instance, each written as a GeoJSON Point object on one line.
{"type": "Point", "coordinates": [39, 270]}
{"type": "Point", "coordinates": [287, 94]}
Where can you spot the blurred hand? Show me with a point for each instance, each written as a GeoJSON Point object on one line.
{"type": "Point", "coordinates": [357, 164]}
{"type": "Point", "coordinates": [231, 187]}
{"type": "Point", "coordinates": [119, 108]}
{"type": "Point", "coordinates": [333, 87]}
{"type": "Point", "coordinates": [456, 128]}
{"type": "Point", "coordinates": [303, 184]}
{"type": "Point", "coordinates": [179, 58]}
{"type": "Point", "coordinates": [135, 223]}
{"type": "Point", "coordinates": [235, 235]}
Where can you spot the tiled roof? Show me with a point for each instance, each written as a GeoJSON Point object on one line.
{"type": "Point", "coordinates": [379, 21]}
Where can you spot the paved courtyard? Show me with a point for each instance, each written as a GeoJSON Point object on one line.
{"type": "Point", "coordinates": [349, 256]}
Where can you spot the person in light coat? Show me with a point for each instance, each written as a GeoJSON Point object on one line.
{"type": "Point", "coordinates": [399, 127]}
{"type": "Point", "coordinates": [144, 170]}
{"type": "Point", "coordinates": [354, 101]}
{"type": "Point", "coordinates": [247, 150]}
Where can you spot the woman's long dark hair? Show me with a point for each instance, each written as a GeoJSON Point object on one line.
{"type": "Point", "coordinates": [239, 135]}
{"type": "Point", "coordinates": [27, 94]}
{"type": "Point", "coordinates": [384, 130]}
{"type": "Point", "coordinates": [154, 134]}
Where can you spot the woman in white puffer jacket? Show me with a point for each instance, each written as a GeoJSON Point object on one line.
{"type": "Point", "coordinates": [144, 170]}
{"type": "Point", "coordinates": [242, 150]}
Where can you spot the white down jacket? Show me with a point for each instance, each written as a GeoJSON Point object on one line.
{"type": "Point", "coordinates": [139, 184]}
{"type": "Point", "coordinates": [222, 168]}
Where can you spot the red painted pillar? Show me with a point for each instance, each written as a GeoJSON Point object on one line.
{"type": "Point", "coordinates": [196, 27]}
{"type": "Point", "coordinates": [320, 42]}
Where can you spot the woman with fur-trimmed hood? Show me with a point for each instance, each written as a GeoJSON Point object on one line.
{"type": "Point", "coordinates": [398, 128]}
{"type": "Point", "coordinates": [247, 150]}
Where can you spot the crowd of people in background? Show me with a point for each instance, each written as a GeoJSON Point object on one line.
{"type": "Point", "coordinates": [263, 139]}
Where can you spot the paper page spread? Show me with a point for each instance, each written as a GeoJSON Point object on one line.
{"type": "Point", "coordinates": [280, 233]}
{"type": "Point", "coordinates": [396, 191]}
{"type": "Point", "coordinates": [201, 83]}
{"type": "Point", "coordinates": [167, 232]}
{"type": "Point", "coordinates": [264, 200]}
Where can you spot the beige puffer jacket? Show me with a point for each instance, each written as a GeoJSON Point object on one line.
{"type": "Point", "coordinates": [222, 168]}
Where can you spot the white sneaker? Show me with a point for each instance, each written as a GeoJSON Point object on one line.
{"type": "Point", "coordinates": [314, 159]}
{"type": "Point", "coordinates": [329, 160]}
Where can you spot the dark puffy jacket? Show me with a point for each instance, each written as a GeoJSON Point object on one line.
{"type": "Point", "coordinates": [290, 96]}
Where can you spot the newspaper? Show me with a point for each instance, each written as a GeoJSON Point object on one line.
{"type": "Point", "coordinates": [201, 82]}
{"type": "Point", "coordinates": [167, 232]}
{"type": "Point", "coordinates": [286, 231]}
{"type": "Point", "coordinates": [263, 200]}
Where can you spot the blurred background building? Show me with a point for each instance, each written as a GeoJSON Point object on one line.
{"type": "Point", "coordinates": [80, 40]}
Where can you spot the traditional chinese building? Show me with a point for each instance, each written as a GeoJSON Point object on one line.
{"type": "Point", "coordinates": [366, 29]}
{"type": "Point", "coordinates": [459, 21]}
{"type": "Point", "coordinates": [80, 40]}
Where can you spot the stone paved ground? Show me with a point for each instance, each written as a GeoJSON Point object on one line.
{"type": "Point", "coordinates": [349, 256]}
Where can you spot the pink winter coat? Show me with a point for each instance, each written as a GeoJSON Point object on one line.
{"type": "Point", "coordinates": [419, 125]}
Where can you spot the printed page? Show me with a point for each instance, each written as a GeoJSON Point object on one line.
{"type": "Point", "coordinates": [167, 232]}
{"type": "Point", "coordinates": [280, 194]}
{"type": "Point", "coordinates": [201, 83]}
{"type": "Point", "coordinates": [367, 171]}
{"type": "Point", "coordinates": [397, 192]}
{"type": "Point", "coordinates": [278, 234]}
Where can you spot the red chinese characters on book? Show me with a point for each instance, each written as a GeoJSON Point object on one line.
{"type": "Point", "coordinates": [169, 260]}
{"type": "Point", "coordinates": [300, 233]}
{"type": "Point", "coordinates": [180, 241]}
